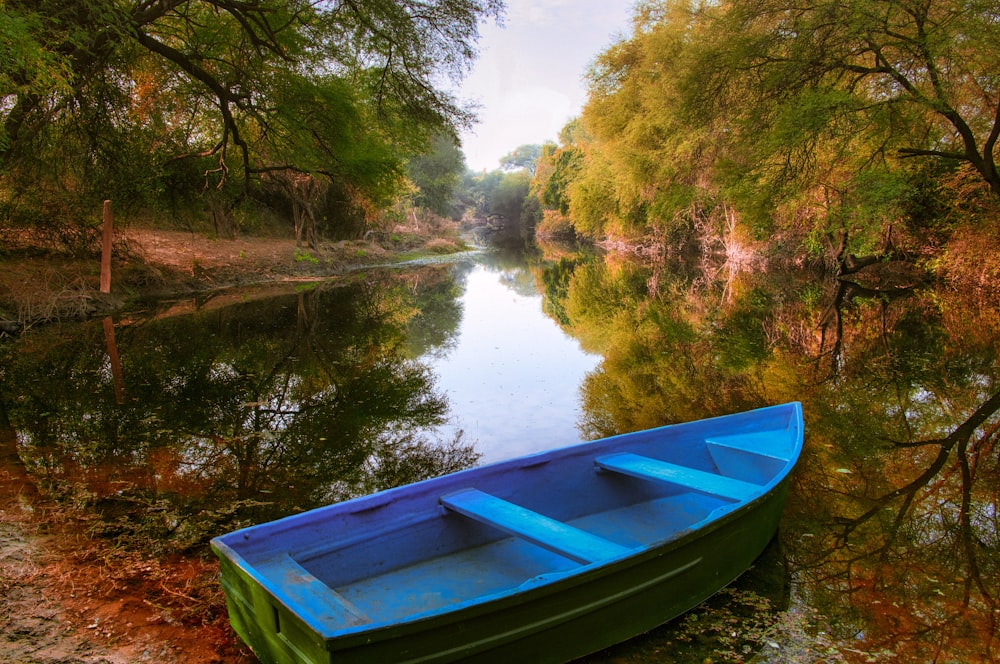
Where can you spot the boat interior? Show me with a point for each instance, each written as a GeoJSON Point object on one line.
{"type": "Point", "coordinates": [450, 544]}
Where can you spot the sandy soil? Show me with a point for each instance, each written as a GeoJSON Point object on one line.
{"type": "Point", "coordinates": [36, 627]}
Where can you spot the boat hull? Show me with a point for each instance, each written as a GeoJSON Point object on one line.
{"type": "Point", "coordinates": [554, 618]}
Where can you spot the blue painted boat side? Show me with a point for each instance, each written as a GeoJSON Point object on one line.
{"type": "Point", "coordinates": [401, 565]}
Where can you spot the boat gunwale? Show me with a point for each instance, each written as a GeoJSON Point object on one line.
{"type": "Point", "coordinates": [555, 582]}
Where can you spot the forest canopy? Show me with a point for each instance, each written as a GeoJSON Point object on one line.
{"type": "Point", "coordinates": [824, 122]}
{"type": "Point", "coordinates": [148, 101]}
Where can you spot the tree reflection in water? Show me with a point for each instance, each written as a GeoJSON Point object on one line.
{"type": "Point", "coordinates": [230, 415]}
{"type": "Point", "coordinates": [905, 557]}
{"type": "Point", "coordinates": [233, 415]}
{"type": "Point", "coordinates": [891, 532]}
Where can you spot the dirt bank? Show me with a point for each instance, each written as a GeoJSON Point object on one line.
{"type": "Point", "coordinates": [38, 284]}
{"type": "Point", "coordinates": [66, 597]}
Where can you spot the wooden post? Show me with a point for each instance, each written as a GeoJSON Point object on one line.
{"type": "Point", "coordinates": [106, 249]}
{"type": "Point", "coordinates": [117, 376]}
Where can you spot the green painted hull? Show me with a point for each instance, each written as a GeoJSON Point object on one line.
{"type": "Point", "coordinates": [553, 617]}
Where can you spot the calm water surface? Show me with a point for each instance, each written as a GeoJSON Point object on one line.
{"type": "Point", "coordinates": [512, 377]}
{"type": "Point", "coordinates": [186, 419]}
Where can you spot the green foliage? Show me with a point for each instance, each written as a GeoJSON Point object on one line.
{"type": "Point", "coordinates": [132, 98]}
{"type": "Point", "coordinates": [592, 203]}
{"type": "Point", "coordinates": [560, 167]}
{"type": "Point", "coordinates": [305, 257]}
{"type": "Point", "coordinates": [811, 120]}
{"type": "Point", "coordinates": [523, 157]}
{"type": "Point", "coordinates": [741, 340]}
{"type": "Point", "coordinates": [497, 194]}
{"type": "Point", "coordinates": [436, 175]}
{"type": "Point", "coordinates": [507, 200]}
{"type": "Point", "coordinates": [476, 189]}
{"type": "Point", "coordinates": [500, 201]}
{"type": "Point", "coordinates": [29, 68]}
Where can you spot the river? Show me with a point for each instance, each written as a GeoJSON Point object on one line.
{"type": "Point", "coordinates": [511, 377]}
{"type": "Point", "coordinates": [184, 419]}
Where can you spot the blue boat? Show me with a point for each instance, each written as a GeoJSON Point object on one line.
{"type": "Point", "coordinates": [542, 558]}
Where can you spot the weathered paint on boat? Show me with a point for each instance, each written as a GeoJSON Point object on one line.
{"type": "Point", "coordinates": [542, 558]}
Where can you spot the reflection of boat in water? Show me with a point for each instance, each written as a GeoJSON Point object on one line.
{"type": "Point", "coordinates": [544, 558]}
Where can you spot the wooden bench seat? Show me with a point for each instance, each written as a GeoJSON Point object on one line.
{"type": "Point", "coordinates": [754, 444]}
{"type": "Point", "coordinates": [753, 457]}
{"type": "Point", "coordinates": [556, 536]}
{"type": "Point", "coordinates": [698, 480]}
{"type": "Point", "coordinates": [318, 603]}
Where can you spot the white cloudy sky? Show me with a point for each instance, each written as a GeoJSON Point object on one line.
{"type": "Point", "coordinates": [528, 80]}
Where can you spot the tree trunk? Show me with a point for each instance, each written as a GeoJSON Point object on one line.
{"type": "Point", "coordinates": [222, 217]}
{"type": "Point", "coordinates": [304, 191]}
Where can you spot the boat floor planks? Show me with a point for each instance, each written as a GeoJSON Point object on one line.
{"type": "Point", "coordinates": [512, 562]}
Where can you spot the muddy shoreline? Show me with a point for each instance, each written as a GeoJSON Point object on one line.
{"type": "Point", "coordinates": [40, 285]}
{"type": "Point", "coordinates": [65, 596]}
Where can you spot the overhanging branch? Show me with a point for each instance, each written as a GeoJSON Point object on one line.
{"type": "Point", "coordinates": [944, 154]}
{"type": "Point", "coordinates": [226, 97]}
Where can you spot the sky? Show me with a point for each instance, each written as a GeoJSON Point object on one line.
{"type": "Point", "coordinates": [528, 81]}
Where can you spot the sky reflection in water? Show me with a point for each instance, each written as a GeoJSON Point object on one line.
{"type": "Point", "coordinates": [512, 379]}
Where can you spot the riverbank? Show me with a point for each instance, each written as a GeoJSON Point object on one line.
{"type": "Point", "coordinates": [66, 596]}
{"type": "Point", "coordinates": [38, 284]}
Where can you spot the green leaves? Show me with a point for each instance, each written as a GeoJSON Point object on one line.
{"type": "Point", "coordinates": [437, 174]}
{"type": "Point", "coordinates": [346, 91]}
{"type": "Point", "coordinates": [28, 67]}
{"type": "Point", "coordinates": [806, 119]}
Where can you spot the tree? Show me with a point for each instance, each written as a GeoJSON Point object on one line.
{"type": "Point", "coordinates": [524, 156]}
{"type": "Point", "coordinates": [507, 200]}
{"type": "Point", "coordinates": [478, 190]}
{"type": "Point", "coordinates": [920, 77]}
{"type": "Point", "coordinates": [841, 120]}
{"type": "Point", "coordinates": [632, 159]}
{"type": "Point", "coordinates": [557, 167]}
{"type": "Point", "coordinates": [341, 90]}
{"type": "Point", "coordinates": [835, 125]}
{"type": "Point", "coordinates": [436, 174]}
